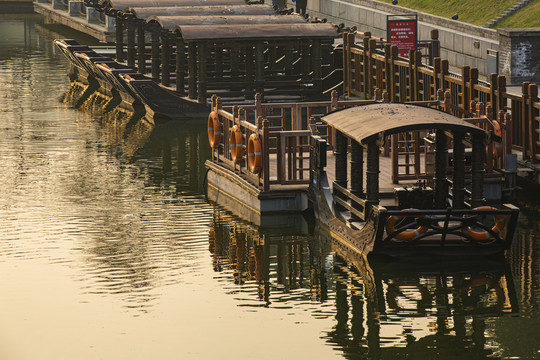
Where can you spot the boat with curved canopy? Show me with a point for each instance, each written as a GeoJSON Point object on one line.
{"type": "Point", "coordinates": [452, 218]}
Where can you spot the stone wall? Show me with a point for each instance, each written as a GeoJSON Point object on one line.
{"type": "Point", "coordinates": [519, 54]}
{"type": "Point", "coordinates": [462, 44]}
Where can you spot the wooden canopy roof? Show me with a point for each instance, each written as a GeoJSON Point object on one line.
{"type": "Point", "coordinates": [255, 32]}
{"type": "Point", "coordinates": [364, 123]}
{"type": "Point", "coordinates": [143, 12]}
{"type": "Point", "coordinates": [124, 5]}
{"type": "Point", "coordinates": [170, 22]}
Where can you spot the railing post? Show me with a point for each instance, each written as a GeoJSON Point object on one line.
{"type": "Point", "coordinates": [141, 51]}
{"type": "Point", "coordinates": [201, 73]}
{"type": "Point", "coordinates": [501, 90]}
{"type": "Point", "coordinates": [259, 67]}
{"type": "Point", "coordinates": [180, 65]}
{"type": "Point", "coordinates": [340, 153]}
{"type": "Point", "coordinates": [524, 118]}
{"type": "Point", "coordinates": [473, 81]}
{"type": "Point", "coordinates": [266, 155]}
{"type": "Point", "coordinates": [346, 63]}
{"type": "Point", "coordinates": [367, 69]}
{"type": "Point", "coordinates": [448, 101]}
{"type": "Point", "coordinates": [436, 77]}
{"type": "Point", "coordinates": [334, 100]}
{"type": "Point", "coordinates": [533, 97]}
{"type": "Point", "coordinates": [458, 186]}
{"type": "Point", "coordinates": [372, 53]}
{"type": "Point", "coordinates": [192, 70]}
{"type": "Point", "coordinates": [435, 46]}
{"type": "Point", "coordinates": [250, 72]}
{"type": "Point", "coordinates": [477, 186]}
{"type": "Point", "coordinates": [259, 112]}
{"type": "Point", "coordinates": [357, 170]}
{"type": "Point", "coordinates": [493, 96]}
{"type": "Point", "coordinates": [155, 55]}
{"type": "Point", "coordinates": [130, 43]}
{"type": "Point", "coordinates": [165, 60]}
{"type": "Point", "coordinates": [417, 66]}
{"type": "Point", "coordinates": [466, 98]}
{"type": "Point", "coordinates": [509, 129]}
{"type": "Point", "coordinates": [372, 176]}
{"type": "Point", "coordinates": [317, 66]}
{"type": "Point", "coordinates": [441, 156]}
{"type": "Point", "coordinates": [445, 70]}
{"type": "Point", "coordinates": [119, 39]}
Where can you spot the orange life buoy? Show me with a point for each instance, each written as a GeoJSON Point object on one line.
{"type": "Point", "coordinates": [255, 154]}
{"type": "Point", "coordinates": [236, 145]}
{"type": "Point", "coordinates": [497, 149]}
{"type": "Point", "coordinates": [485, 235]}
{"type": "Point", "coordinates": [214, 129]}
{"type": "Point", "coordinates": [404, 235]}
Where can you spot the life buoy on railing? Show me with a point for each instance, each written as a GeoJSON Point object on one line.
{"type": "Point", "coordinates": [255, 154]}
{"type": "Point", "coordinates": [404, 235]}
{"type": "Point", "coordinates": [500, 222]}
{"type": "Point", "coordinates": [497, 149]}
{"type": "Point", "coordinates": [214, 130]}
{"type": "Point", "coordinates": [236, 144]}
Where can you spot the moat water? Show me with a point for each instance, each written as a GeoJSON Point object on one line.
{"type": "Point", "coordinates": [109, 250]}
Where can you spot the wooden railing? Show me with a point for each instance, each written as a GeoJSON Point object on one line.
{"type": "Point", "coordinates": [366, 68]}
{"type": "Point", "coordinates": [284, 130]}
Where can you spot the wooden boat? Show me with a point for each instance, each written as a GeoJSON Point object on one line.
{"type": "Point", "coordinates": [450, 219]}
{"type": "Point", "coordinates": [134, 89]}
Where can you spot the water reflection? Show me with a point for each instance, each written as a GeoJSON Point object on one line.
{"type": "Point", "coordinates": [382, 310]}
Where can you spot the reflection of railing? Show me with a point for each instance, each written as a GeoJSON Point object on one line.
{"type": "Point", "coordinates": [367, 68]}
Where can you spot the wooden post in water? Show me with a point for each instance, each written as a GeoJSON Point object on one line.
{"type": "Point", "coordinates": [192, 70]}
{"type": "Point", "coordinates": [458, 185]}
{"type": "Point", "coordinates": [131, 43]}
{"type": "Point", "coordinates": [201, 73]}
{"type": "Point", "coordinates": [141, 44]}
{"type": "Point", "coordinates": [180, 65]}
{"type": "Point", "coordinates": [155, 55]}
{"type": "Point", "coordinates": [165, 60]}
{"type": "Point", "coordinates": [119, 39]}
{"type": "Point", "coordinates": [477, 186]}
{"type": "Point", "coordinates": [441, 156]}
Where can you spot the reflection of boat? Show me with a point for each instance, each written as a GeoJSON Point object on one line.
{"type": "Point", "coordinates": [441, 307]}
{"type": "Point", "coordinates": [446, 220]}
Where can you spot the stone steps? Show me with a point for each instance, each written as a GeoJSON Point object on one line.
{"type": "Point", "coordinates": [507, 13]}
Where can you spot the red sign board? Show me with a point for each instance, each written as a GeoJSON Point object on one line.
{"type": "Point", "coordinates": [403, 34]}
